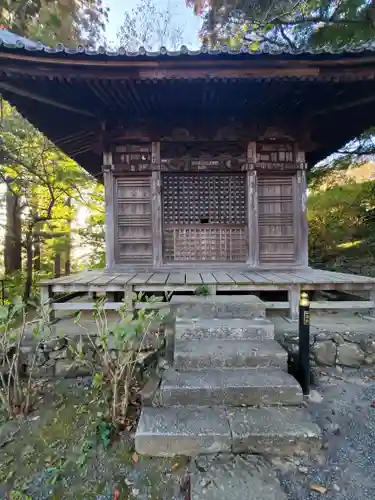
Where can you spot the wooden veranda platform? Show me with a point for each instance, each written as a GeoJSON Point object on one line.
{"type": "Point", "coordinates": [238, 280]}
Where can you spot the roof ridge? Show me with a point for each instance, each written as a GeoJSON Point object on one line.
{"type": "Point", "coordinates": [10, 40]}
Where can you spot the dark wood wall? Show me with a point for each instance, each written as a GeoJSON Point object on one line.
{"type": "Point", "coordinates": [205, 201]}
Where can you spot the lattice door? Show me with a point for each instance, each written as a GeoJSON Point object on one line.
{"type": "Point", "coordinates": [276, 220]}
{"type": "Point", "coordinates": [204, 217]}
{"type": "Point", "coordinates": [134, 236]}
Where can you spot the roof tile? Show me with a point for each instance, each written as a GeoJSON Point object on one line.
{"type": "Point", "coordinates": [10, 40]}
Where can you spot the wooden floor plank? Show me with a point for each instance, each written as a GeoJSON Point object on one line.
{"type": "Point", "coordinates": [83, 280]}
{"type": "Point", "coordinates": [265, 276]}
{"type": "Point", "coordinates": [104, 279]}
{"type": "Point", "coordinates": [223, 278]}
{"type": "Point", "coordinates": [176, 279]}
{"type": "Point", "coordinates": [72, 278]}
{"type": "Point", "coordinates": [352, 278]}
{"type": "Point", "coordinates": [286, 278]}
{"type": "Point", "coordinates": [307, 276]}
{"type": "Point", "coordinates": [208, 279]}
{"type": "Point", "coordinates": [158, 279]}
{"type": "Point", "coordinates": [280, 280]}
{"type": "Point", "coordinates": [256, 278]}
{"type": "Point", "coordinates": [140, 279]}
{"type": "Point", "coordinates": [239, 278]}
{"type": "Point", "coordinates": [252, 279]}
{"type": "Point", "coordinates": [193, 278]}
{"type": "Point", "coordinates": [122, 279]}
{"type": "Point", "coordinates": [327, 277]}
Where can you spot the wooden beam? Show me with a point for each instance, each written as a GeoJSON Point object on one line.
{"type": "Point", "coordinates": [44, 100]}
{"type": "Point", "coordinates": [346, 105]}
{"type": "Point", "coordinates": [87, 306]}
{"type": "Point", "coordinates": [158, 71]}
{"type": "Point", "coordinates": [109, 197]}
{"type": "Point", "coordinates": [330, 305]}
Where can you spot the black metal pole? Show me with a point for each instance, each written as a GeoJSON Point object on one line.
{"type": "Point", "coordinates": [304, 343]}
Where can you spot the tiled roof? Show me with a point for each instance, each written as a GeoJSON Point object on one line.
{"type": "Point", "coordinates": [12, 41]}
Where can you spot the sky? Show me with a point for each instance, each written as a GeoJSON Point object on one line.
{"type": "Point", "coordinates": [183, 15]}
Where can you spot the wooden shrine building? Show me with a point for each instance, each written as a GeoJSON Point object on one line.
{"type": "Point", "coordinates": [203, 154]}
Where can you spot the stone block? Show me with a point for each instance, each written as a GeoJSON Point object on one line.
{"type": "Point", "coordinates": [44, 371]}
{"type": "Point", "coordinates": [211, 354]}
{"type": "Point", "coordinates": [249, 387]}
{"type": "Point", "coordinates": [224, 329]}
{"type": "Point", "coordinates": [349, 354]}
{"type": "Point", "coordinates": [219, 306]}
{"type": "Point", "coordinates": [166, 432]}
{"type": "Point", "coordinates": [274, 431]}
{"type": "Point", "coordinates": [55, 344]}
{"type": "Point", "coordinates": [149, 390]}
{"type": "Point", "coordinates": [235, 477]}
{"type": "Point", "coordinates": [325, 353]}
{"type": "Point", "coordinates": [66, 368]}
{"type": "Point", "coordinates": [61, 354]}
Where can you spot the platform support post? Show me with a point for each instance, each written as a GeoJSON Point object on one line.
{"type": "Point", "coordinates": [128, 298]}
{"type": "Point", "coordinates": [293, 298]}
{"type": "Point", "coordinates": [372, 297]}
{"type": "Point", "coordinates": [46, 299]}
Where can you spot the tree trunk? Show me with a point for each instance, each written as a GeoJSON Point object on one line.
{"type": "Point", "coordinates": [36, 257]}
{"type": "Point", "coordinates": [68, 248]}
{"type": "Point", "coordinates": [29, 271]}
{"type": "Point", "coordinates": [57, 264]}
{"type": "Point", "coordinates": [12, 247]}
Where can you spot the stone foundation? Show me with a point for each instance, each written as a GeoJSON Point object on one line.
{"type": "Point", "coordinates": [336, 349]}
{"type": "Point", "coordinates": [55, 358]}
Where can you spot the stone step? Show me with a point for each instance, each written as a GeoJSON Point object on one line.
{"type": "Point", "coordinates": [235, 329]}
{"type": "Point", "coordinates": [249, 387]}
{"type": "Point", "coordinates": [211, 354]}
{"type": "Point", "coordinates": [237, 477]}
{"type": "Point", "coordinates": [192, 431]}
{"type": "Point", "coordinates": [218, 306]}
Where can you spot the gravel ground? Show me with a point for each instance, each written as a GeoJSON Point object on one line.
{"type": "Point", "coordinates": [346, 468]}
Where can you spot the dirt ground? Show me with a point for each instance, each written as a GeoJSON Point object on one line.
{"type": "Point", "coordinates": [61, 452]}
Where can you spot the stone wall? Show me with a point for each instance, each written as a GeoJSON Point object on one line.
{"type": "Point", "coordinates": [56, 358]}
{"type": "Point", "coordinates": [336, 349]}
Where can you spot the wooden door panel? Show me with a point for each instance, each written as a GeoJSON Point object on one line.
{"type": "Point", "coordinates": [204, 217]}
{"type": "Point", "coordinates": [134, 223]}
{"type": "Point", "coordinates": [276, 220]}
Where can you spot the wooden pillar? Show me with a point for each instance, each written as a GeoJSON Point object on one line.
{"type": "Point", "coordinates": [252, 207]}
{"type": "Point", "coordinates": [157, 229]}
{"type": "Point", "coordinates": [109, 197]}
{"type": "Point", "coordinates": [300, 212]}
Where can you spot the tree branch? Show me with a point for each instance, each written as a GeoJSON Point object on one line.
{"type": "Point", "coordinates": [291, 44]}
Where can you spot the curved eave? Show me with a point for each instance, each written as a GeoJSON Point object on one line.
{"type": "Point", "coordinates": [121, 58]}
{"type": "Point", "coordinates": [13, 43]}
{"type": "Point", "coordinates": [87, 89]}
